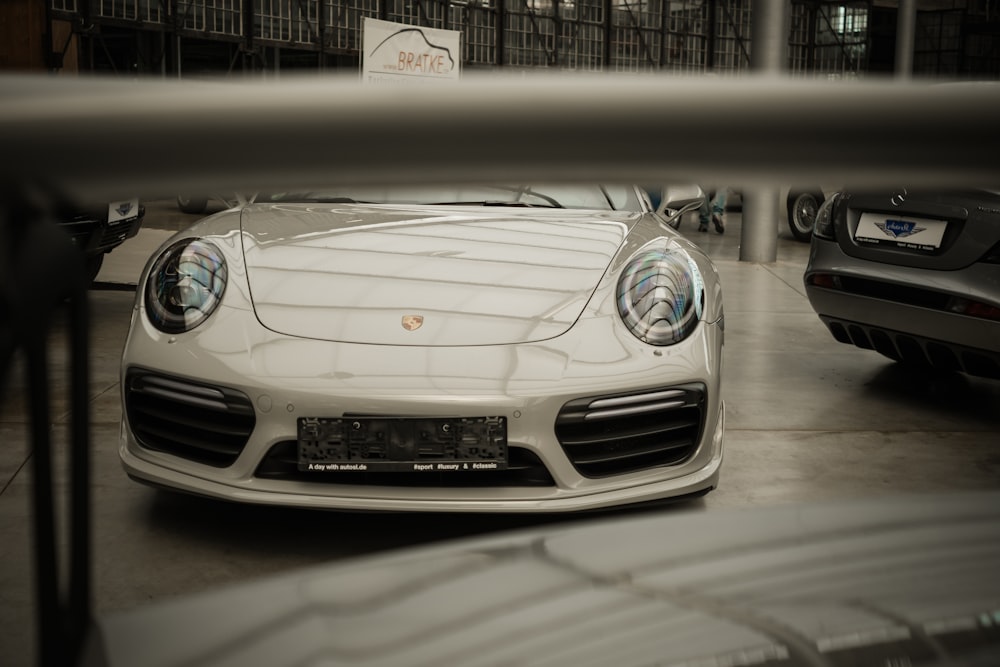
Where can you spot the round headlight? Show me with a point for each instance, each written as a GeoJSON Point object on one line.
{"type": "Point", "coordinates": [660, 296]}
{"type": "Point", "coordinates": [185, 285]}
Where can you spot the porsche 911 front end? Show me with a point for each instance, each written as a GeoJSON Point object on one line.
{"type": "Point", "coordinates": [448, 357]}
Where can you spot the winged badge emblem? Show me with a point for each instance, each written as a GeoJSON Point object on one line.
{"type": "Point", "coordinates": [899, 229]}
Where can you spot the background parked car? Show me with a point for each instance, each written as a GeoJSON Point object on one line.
{"type": "Point", "coordinates": [798, 207]}
{"type": "Point", "coordinates": [801, 207]}
{"type": "Point", "coordinates": [914, 276]}
{"type": "Point", "coordinates": [97, 229]}
{"type": "Point", "coordinates": [798, 211]}
{"type": "Point", "coordinates": [189, 203]}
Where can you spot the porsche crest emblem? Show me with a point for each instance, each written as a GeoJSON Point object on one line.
{"type": "Point", "coordinates": [413, 322]}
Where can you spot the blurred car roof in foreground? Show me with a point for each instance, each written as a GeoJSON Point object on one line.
{"type": "Point", "coordinates": [900, 581]}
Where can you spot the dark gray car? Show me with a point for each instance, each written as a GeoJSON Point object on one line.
{"type": "Point", "coordinates": [912, 275]}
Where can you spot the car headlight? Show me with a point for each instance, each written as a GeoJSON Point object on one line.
{"type": "Point", "coordinates": [661, 295]}
{"type": "Point", "coordinates": [185, 285]}
{"type": "Point", "coordinates": [824, 218]}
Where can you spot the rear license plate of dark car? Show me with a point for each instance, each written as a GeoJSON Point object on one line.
{"type": "Point", "coordinates": [389, 444]}
{"type": "Point", "coordinates": [906, 233]}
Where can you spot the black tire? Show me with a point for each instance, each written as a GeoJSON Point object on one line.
{"type": "Point", "coordinates": [191, 204]}
{"type": "Point", "coordinates": [802, 210]}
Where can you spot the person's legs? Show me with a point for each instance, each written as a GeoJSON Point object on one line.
{"type": "Point", "coordinates": [704, 215]}
{"type": "Point", "coordinates": [718, 210]}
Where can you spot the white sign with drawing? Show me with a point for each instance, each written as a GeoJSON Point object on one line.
{"type": "Point", "coordinates": [400, 53]}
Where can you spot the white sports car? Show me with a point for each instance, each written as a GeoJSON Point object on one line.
{"type": "Point", "coordinates": [468, 348]}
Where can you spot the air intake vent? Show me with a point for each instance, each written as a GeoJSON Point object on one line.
{"type": "Point", "coordinates": [195, 421]}
{"type": "Point", "coordinates": [621, 433]}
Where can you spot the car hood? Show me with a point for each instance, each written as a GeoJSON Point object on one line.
{"type": "Point", "coordinates": [441, 275]}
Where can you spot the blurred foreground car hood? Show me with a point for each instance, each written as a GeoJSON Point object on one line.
{"type": "Point", "coordinates": [445, 275]}
{"type": "Point", "coordinates": [884, 582]}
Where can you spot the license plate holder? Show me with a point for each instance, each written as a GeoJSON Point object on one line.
{"type": "Point", "coordinates": [120, 211]}
{"type": "Point", "coordinates": [900, 231]}
{"type": "Point", "coordinates": [402, 444]}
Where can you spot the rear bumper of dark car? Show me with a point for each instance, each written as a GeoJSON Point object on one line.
{"type": "Point", "coordinates": [916, 350]}
{"type": "Point", "coordinates": [905, 313]}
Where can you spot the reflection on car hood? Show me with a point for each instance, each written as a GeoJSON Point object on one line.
{"type": "Point", "coordinates": [443, 275]}
{"type": "Point", "coordinates": [892, 581]}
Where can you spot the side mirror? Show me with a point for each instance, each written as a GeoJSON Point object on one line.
{"type": "Point", "coordinates": [679, 199]}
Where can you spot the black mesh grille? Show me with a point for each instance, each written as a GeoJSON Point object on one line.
{"type": "Point", "coordinates": [524, 469]}
{"type": "Point", "coordinates": [620, 433]}
{"type": "Point", "coordinates": [195, 421]}
{"type": "Point", "coordinates": [116, 233]}
{"type": "Point", "coordinates": [915, 350]}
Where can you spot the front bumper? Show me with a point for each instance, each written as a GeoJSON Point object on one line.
{"type": "Point", "coordinates": [491, 500]}
{"type": "Point", "coordinates": [540, 380]}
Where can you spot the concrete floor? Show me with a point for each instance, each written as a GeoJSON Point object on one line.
{"type": "Point", "coordinates": [808, 419]}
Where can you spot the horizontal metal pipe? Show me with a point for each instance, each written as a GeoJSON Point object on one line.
{"type": "Point", "coordinates": [108, 137]}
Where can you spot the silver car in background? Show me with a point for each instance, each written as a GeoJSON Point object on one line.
{"type": "Point", "coordinates": [912, 275]}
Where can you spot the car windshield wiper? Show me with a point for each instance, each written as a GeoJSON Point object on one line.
{"type": "Point", "coordinates": [498, 202]}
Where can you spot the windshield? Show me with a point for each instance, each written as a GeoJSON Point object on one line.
{"type": "Point", "coordinates": [567, 195]}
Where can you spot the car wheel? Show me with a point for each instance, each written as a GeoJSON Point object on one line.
{"type": "Point", "coordinates": [802, 210]}
{"type": "Point", "coordinates": [93, 266]}
{"type": "Point", "coordinates": [191, 204]}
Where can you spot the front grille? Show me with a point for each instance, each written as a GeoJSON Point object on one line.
{"type": "Point", "coordinates": [93, 233]}
{"type": "Point", "coordinates": [115, 233]}
{"type": "Point", "coordinates": [621, 433]}
{"type": "Point", "coordinates": [195, 421]}
{"type": "Point", "coordinates": [524, 468]}
{"type": "Point", "coordinates": [916, 350]}
{"type": "Point", "coordinates": [80, 230]}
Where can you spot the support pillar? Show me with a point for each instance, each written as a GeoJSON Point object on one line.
{"type": "Point", "coordinates": [906, 30]}
{"type": "Point", "coordinates": [768, 57]}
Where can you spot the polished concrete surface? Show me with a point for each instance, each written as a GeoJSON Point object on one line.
{"type": "Point", "coordinates": [807, 419]}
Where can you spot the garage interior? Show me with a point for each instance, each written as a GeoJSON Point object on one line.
{"type": "Point", "coordinates": [808, 418]}
{"type": "Point", "coordinates": [205, 38]}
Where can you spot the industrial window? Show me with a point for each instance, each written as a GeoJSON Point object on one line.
{"type": "Point", "coordinates": [219, 17]}
{"type": "Point", "coordinates": [345, 18]}
{"type": "Point", "coordinates": [530, 34]}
